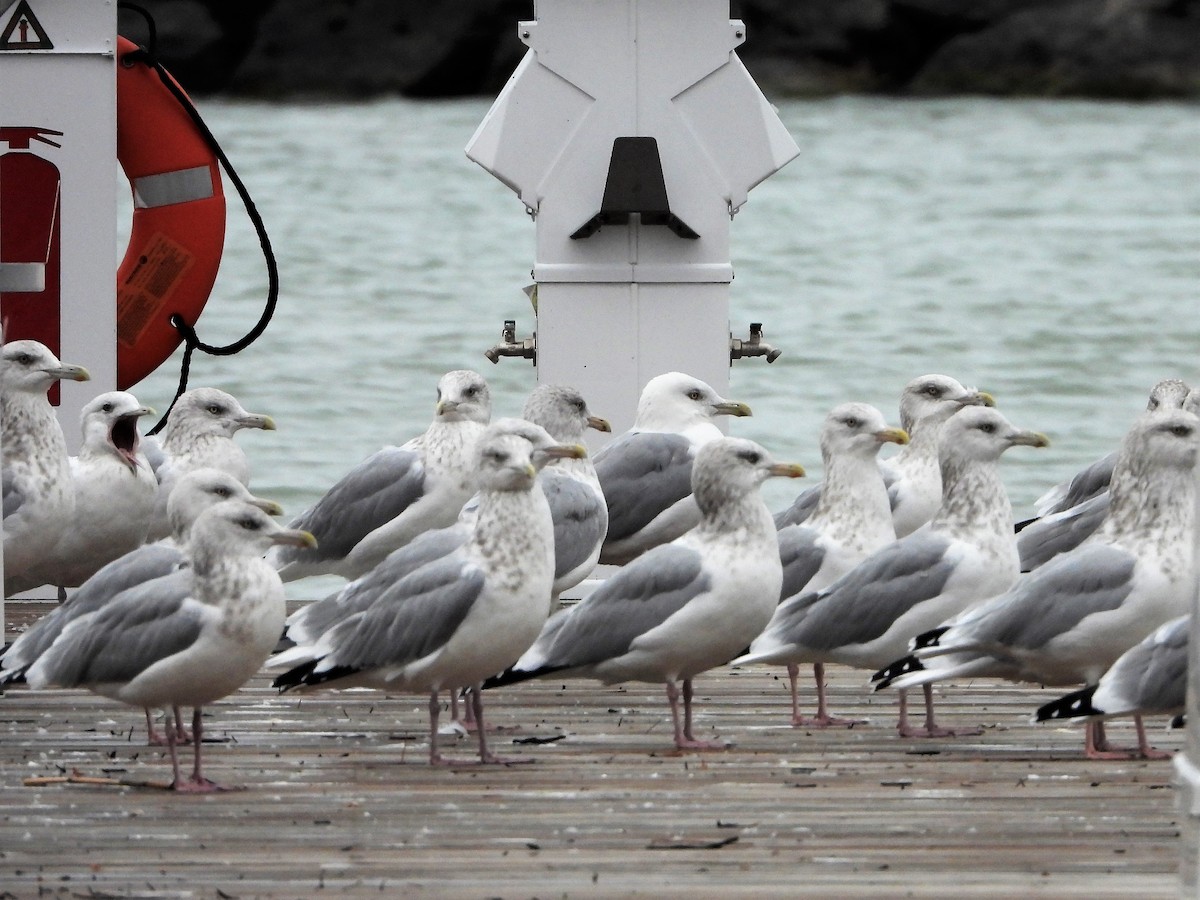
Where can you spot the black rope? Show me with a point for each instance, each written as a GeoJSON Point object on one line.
{"type": "Point", "coordinates": [191, 340]}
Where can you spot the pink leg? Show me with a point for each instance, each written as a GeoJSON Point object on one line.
{"type": "Point", "coordinates": [1097, 746]}
{"type": "Point", "coordinates": [181, 732]}
{"type": "Point", "coordinates": [485, 755]}
{"type": "Point", "coordinates": [930, 729]}
{"type": "Point", "coordinates": [683, 732]}
{"type": "Point", "coordinates": [822, 719]}
{"type": "Point", "coordinates": [1144, 747]}
{"type": "Point", "coordinates": [153, 738]}
{"type": "Point", "coordinates": [197, 784]}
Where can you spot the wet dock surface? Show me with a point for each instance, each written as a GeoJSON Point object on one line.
{"type": "Point", "coordinates": [338, 795]}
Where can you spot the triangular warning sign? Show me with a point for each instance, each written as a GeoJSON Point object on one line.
{"type": "Point", "coordinates": [24, 31]}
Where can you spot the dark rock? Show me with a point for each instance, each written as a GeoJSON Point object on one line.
{"type": "Point", "coordinates": [437, 48]}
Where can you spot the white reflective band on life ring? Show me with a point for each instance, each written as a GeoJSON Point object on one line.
{"type": "Point", "coordinates": [181, 186]}
{"type": "Point", "coordinates": [22, 278]}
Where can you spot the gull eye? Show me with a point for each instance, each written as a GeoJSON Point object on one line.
{"type": "Point", "coordinates": [1181, 430]}
{"type": "Point", "coordinates": [988, 427]}
{"type": "Point", "coordinates": [24, 359]}
{"type": "Point", "coordinates": [580, 405]}
{"type": "Point", "coordinates": [695, 394]}
{"type": "Point", "coordinates": [751, 456]}
{"type": "Point", "coordinates": [852, 422]}
{"type": "Point", "coordinates": [250, 524]}
{"type": "Point", "coordinates": [107, 407]}
{"type": "Point", "coordinates": [215, 409]}
{"type": "Point", "coordinates": [1154, 404]}
{"type": "Point", "coordinates": [471, 391]}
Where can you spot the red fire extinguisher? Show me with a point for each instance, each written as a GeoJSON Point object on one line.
{"type": "Point", "coordinates": [30, 198]}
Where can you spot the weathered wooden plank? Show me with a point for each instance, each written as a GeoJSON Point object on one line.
{"type": "Point", "coordinates": [338, 795]}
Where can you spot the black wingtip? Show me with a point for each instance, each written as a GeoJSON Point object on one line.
{"type": "Point", "coordinates": [16, 676]}
{"type": "Point", "coordinates": [512, 676]}
{"type": "Point", "coordinates": [1070, 706]}
{"type": "Point", "coordinates": [1022, 525]}
{"type": "Point", "coordinates": [885, 676]}
{"type": "Point", "coordinates": [305, 675]}
{"type": "Point", "coordinates": [931, 638]}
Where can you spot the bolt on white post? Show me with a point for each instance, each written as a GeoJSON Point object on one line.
{"type": "Point", "coordinates": [632, 133]}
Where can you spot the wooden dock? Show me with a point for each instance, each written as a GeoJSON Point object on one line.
{"type": "Point", "coordinates": [339, 797]}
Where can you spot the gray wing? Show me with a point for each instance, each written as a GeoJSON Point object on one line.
{"type": "Point", "coordinates": [642, 474]}
{"type": "Point", "coordinates": [1054, 598]}
{"type": "Point", "coordinates": [137, 567]}
{"type": "Point", "coordinates": [1153, 674]}
{"type": "Point", "coordinates": [369, 496]}
{"type": "Point", "coordinates": [865, 602]}
{"type": "Point", "coordinates": [639, 597]}
{"type": "Point", "coordinates": [580, 519]}
{"type": "Point", "coordinates": [1088, 483]}
{"type": "Point", "coordinates": [1043, 539]}
{"type": "Point", "coordinates": [13, 496]}
{"type": "Point", "coordinates": [311, 621]}
{"type": "Point", "coordinates": [801, 555]}
{"type": "Point", "coordinates": [802, 507]}
{"type": "Point", "coordinates": [414, 618]}
{"type": "Point", "coordinates": [146, 624]}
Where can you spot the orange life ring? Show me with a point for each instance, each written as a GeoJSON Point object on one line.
{"type": "Point", "coordinates": [178, 229]}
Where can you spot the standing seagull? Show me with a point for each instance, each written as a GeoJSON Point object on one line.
{"type": "Point", "coordinates": [966, 554]}
{"type": "Point", "coordinates": [912, 476]}
{"type": "Point", "coordinates": [196, 492]}
{"type": "Point", "coordinates": [38, 499]}
{"type": "Point", "coordinates": [1148, 678]}
{"type": "Point", "coordinates": [397, 493]}
{"type": "Point", "coordinates": [853, 519]}
{"type": "Point", "coordinates": [645, 474]}
{"type": "Point", "coordinates": [199, 435]}
{"type": "Point", "coordinates": [187, 639]}
{"type": "Point", "coordinates": [1067, 621]}
{"type": "Point", "coordinates": [684, 607]}
{"type": "Point", "coordinates": [114, 495]}
{"type": "Point", "coordinates": [459, 618]}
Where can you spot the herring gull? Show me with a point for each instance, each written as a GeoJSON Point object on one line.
{"type": "Point", "coordinates": [189, 638]}
{"type": "Point", "coordinates": [965, 554]}
{"type": "Point", "coordinates": [683, 607]}
{"type": "Point", "coordinates": [36, 475]}
{"type": "Point", "coordinates": [1067, 621]}
{"type": "Point", "coordinates": [912, 476]}
{"type": "Point", "coordinates": [645, 474]}
{"type": "Point", "coordinates": [853, 519]}
{"type": "Point", "coordinates": [199, 435]}
{"type": "Point", "coordinates": [459, 618]}
{"type": "Point", "coordinates": [1150, 678]}
{"type": "Point", "coordinates": [114, 492]}
{"type": "Point", "coordinates": [398, 492]}
{"type": "Point", "coordinates": [193, 494]}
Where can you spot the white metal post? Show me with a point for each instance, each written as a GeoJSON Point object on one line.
{"type": "Point", "coordinates": [631, 283]}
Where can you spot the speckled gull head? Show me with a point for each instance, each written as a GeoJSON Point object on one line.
{"type": "Point", "coordinates": [463, 396]}
{"type": "Point", "coordinates": [29, 367]}
{"type": "Point", "coordinates": [857, 429]}
{"type": "Point", "coordinates": [675, 401]}
{"type": "Point", "coordinates": [236, 529]}
{"type": "Point", "coordinates": [1170, 393]}
{"type": "Point", "coordinates": [563, 412]}
{"type": "Point", "coordinates": [936, 398]}
{"type": "Point", "coordinates": [980, 434]}
{"type": "Point", "coordinates": [543, 449]}
{"type": "Point", "coordinates": [1167, 439]}
{"type": "Point", "coordinates": [728, 469]}
{"type": "Point", "coordinates": [197, 491]}
{"type": "Point", "coordinates": [209, 410]}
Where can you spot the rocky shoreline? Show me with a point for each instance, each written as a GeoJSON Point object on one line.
{"type": "Point", "coordinates": [1114, 49]}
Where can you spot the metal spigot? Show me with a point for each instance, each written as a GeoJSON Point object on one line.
{"type": "Point", "coordinates": [755, 346]}
{"type": "Point", "coordinates": [510, 346]}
